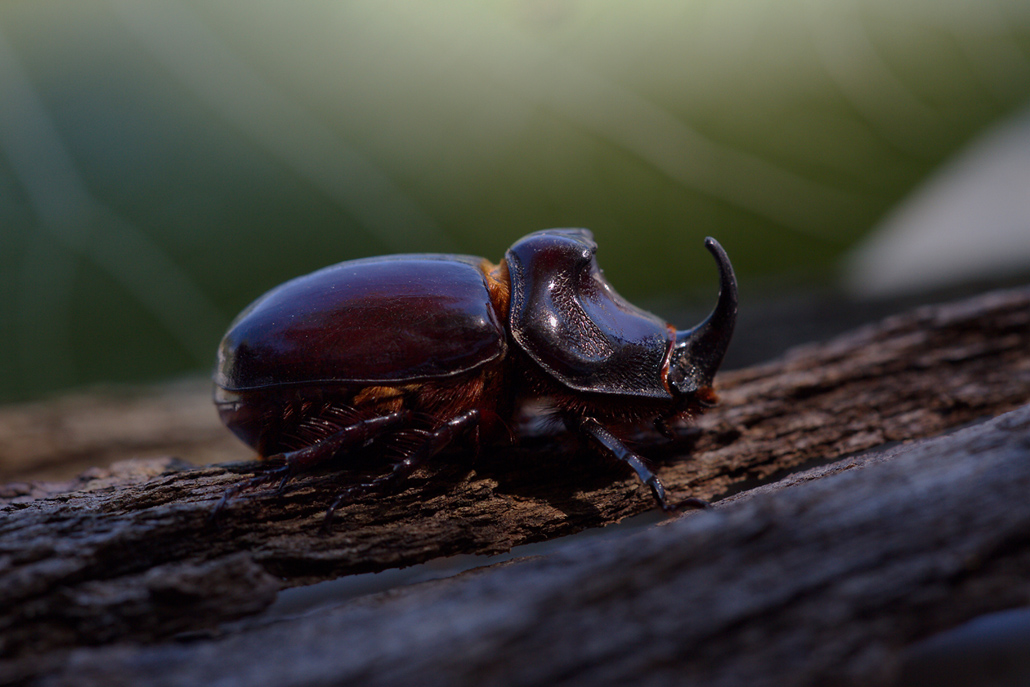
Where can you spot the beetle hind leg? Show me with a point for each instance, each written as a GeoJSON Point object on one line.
{"type": "Point", "coordinates": [356, 435]}
{"type": "Point", "coordinates": [435, 441]}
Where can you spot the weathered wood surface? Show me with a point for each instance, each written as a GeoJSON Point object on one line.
{"type": "Point", "coordinates": [823, 583]}
{"type": "Point", "coordinates": [129, 553]}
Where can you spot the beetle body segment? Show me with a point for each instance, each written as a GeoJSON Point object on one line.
{"type": "Point", "coordinates": [357, 340]}
{"type": "Point", "coordinates": [433, 347]}
{"type": "Point", "coordinates": [379, 320]}
{"type": "Point", "coordinates": [573, 324]}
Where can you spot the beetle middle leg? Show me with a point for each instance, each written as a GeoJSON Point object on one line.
{"type": "Point", "coordinates": [606, 442]}
{"type": "Point", "coordinates": [436, 440]}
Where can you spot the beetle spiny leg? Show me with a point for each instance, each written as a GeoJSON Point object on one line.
{"type": "Point", "coordinates": [359, 434]}
{"type": "Point", "coordinates": [227, 496]}
{"type": "Point", "coordinates": [265, 477]}
{"type": "Point", "coordinates": [288, 474]}
{"type": "Point", "coordinates": [435, 441]}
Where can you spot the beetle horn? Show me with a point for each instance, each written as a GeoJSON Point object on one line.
{"type": "Point", "coordinates": [698, 352]}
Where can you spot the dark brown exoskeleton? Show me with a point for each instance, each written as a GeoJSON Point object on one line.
{"type": "Point", "coordinates": [438, 347]}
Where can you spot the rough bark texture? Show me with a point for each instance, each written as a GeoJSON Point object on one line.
{"type": "Point", "coordinates": [819, 583]}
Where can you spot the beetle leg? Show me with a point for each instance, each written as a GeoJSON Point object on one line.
{"type": "Point", "coordinates": [435, 441]}
{"type": "Point", "coordinates": [359, 434]}
{"type": "Point", "coordinates": [608, 443]}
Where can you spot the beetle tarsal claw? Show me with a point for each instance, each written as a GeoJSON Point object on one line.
{"type": "Point", "coordinates": [658, 491]}
{"type": "Point", "coordinates": [283, 473]}
{"type": "Point", "coordinates": [411, 352]}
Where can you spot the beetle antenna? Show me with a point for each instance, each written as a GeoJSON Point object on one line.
{"type": "Point", "coordinates": [698, 352]}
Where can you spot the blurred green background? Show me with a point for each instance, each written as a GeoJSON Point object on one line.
{"type": "Point", "coordinates": [162, 163]}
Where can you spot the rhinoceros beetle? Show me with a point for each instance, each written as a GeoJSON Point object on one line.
{"type": "Point", "coordinates": [438, 347]}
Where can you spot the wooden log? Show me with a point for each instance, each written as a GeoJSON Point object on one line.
{"type": "Point", "coordinates": [129, 552]}
{"type": "Point", "coordinates": [825, 581]}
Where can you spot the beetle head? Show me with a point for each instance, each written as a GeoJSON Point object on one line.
{"type": "Point", "coordinates": [698, 352]}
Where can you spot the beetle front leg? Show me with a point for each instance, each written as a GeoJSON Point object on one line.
{"type": "Point", "coordinates": [606, 442]}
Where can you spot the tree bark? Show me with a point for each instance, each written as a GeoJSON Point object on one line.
{"type": "Point", "coordinates": [130, 554]}
{"type": "Point", "coordinates": [823, 583]}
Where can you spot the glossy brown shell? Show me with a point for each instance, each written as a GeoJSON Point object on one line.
{"type": "Point", "coordinates": [574, 325]}
{"type": "Point", "coordinates": [388, 320]}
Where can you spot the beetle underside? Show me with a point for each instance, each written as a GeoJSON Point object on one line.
{"type": "Point", "coordinates": [410, 425]}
